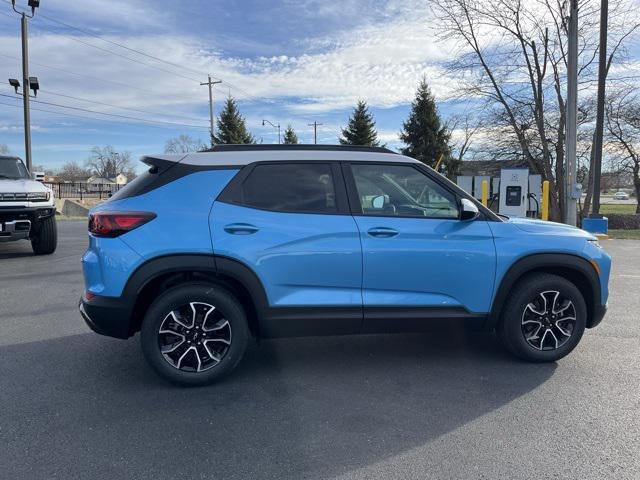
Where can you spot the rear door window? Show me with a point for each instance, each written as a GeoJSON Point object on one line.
{"type": "Point", "coordinates": [291, 187]}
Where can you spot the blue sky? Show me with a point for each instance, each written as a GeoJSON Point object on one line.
{"type": "Point", "coordinates": [288, 61]}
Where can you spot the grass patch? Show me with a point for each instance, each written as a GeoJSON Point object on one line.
{"type": "Point", "coordinates": [615, 208]}
{"type": "Point", "coordinates": [625, 234]}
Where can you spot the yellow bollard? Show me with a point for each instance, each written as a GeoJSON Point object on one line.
{"type": "Point", "coordinates": [485, 193]}
{"type": "Point", "coordinates": [545, 200]}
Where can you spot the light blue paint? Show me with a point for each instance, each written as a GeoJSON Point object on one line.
{"type": "Point", "coordinates": [301, 259]}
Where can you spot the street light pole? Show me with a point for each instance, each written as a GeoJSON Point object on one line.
{"type": "Point", "coordinates": [24, 27]}
{"type": "Point", "coordinates": [25, 90]}
{"type": "Point", "coordinates": [274, 126]}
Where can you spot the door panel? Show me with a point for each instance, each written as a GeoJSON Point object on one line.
{"type": "Point", "coordinates": [430, 263]}
{"type": "Point", "coordinates": [303, 260]}
{"type": "Point", "coordinates": [416, 253]}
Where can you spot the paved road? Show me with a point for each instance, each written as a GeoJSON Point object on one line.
{"type": "Point", "coordinates": [77, 405]}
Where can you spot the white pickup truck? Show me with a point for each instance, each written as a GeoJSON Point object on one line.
{"type": "Point", "coordinates": [27, 208]}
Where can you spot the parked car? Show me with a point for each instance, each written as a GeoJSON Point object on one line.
{"type": "Point", "coordinates": [206, 250]}
{"type": "Point", "coordinates": [621, 196]}
{"type": "Point", "coordinates": [27, 208]}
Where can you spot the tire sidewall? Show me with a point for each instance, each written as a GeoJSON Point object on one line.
{"type": "Point", "coordinates": [46, 239]}
{"type": "Point", "coordinates": [511, 323]}
{"type": "Point", "coordinates": [179, 296]}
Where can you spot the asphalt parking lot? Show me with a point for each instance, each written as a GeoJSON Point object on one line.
{"type": "Point", "coordinates": [74, 404]}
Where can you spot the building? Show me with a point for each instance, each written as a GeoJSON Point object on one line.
{"type": "Point", "coordinates": [490, 168]}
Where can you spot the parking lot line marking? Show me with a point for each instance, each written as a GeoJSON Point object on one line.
{"type": "Point", "coordinates": [628, 276]}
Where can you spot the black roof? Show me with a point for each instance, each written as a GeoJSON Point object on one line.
{"type": "Point", "coordinates": [307, 147]}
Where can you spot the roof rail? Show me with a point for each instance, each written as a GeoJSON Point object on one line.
{"type": "Point", "coordinates": [307, 147]}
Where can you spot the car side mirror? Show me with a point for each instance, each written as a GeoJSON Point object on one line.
{"type": "Point", "coordinates": [468, 210]}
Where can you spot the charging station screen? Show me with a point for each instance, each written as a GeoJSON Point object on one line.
{"type": "Point", "coordinates": [514, 195]}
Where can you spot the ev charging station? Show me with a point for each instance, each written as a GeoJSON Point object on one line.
{"type": "Point", "coordinates": [518, 193]}
{"type": "Point", "coordinates": [514, 191]}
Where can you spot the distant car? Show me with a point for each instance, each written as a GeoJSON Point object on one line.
{"type": "Point", "coordinates": [621, 196]}
{"type": "Point", "coordinates": [206, 249]}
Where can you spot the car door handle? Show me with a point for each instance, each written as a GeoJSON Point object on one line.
{"type": "Point", "coordinates": [240, 228]}
{"type": "Point", "coordinates": [382, 232]}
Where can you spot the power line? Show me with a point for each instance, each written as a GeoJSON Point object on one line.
{"type": "Point", "coordinates": [233, 86]}
{"type": "Point", "coordinates": [160, 122]}
{"type": "Point", "coordinates": [181, 67]}
{"type": "Point", "coordinates": [111, 52]}
{"type": "Point", "coordinates": [89, 77]}
{"type": "Point", "coordinates": [74, 115]}
{"type": "Point", "coordinates": [48, 92]}
{"type": "Point", "coordinates": [95, 35]}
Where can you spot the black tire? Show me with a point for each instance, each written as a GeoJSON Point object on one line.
{"type": "Point", "coordinates": [45, 240]}
{"type": "Point", "coordinates": [227, 308]}
{"type": "Point", "coordinates": [518, 327]}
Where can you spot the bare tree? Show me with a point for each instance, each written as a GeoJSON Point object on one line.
{"type": "Point", "coordinates": [106, 162]}
{"type": "Point", "coordinates": [183, 144]}
{"type": "Point", "coordinates": [623, 129]}
{"type": "Point", "coordinates": [463, 129]}
{"type": "Point", "coordinates": [4, 149]}
{"type": "Point", "coordinates": [72, 171]}
{"type": "Point", "coordinates": [512, 55]}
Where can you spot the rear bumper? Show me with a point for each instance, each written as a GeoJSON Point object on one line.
{"type": "Point", "coordinates": [598, 314]}
{"type": "Point", "coordinates": [110, 316]}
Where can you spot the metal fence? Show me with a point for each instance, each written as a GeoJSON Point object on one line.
{"type": "Point", "coordinates": [82, 190]}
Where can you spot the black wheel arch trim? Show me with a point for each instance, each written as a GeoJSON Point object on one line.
{"type": "Point", "coordinates": [548, 262]}
{"type": "Point", "coordinates": [221, 267]}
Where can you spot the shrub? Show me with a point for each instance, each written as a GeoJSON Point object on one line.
{"type": "Point", "coordinates": [624, 221]}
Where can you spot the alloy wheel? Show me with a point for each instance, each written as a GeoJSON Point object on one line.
{"type": "Point", "coordinates": [548, 320]}
{"type": "Point", "coordinates": [194, 337]}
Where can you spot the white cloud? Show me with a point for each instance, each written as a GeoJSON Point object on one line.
{"type": "Point", "coordinates": [381, 63]}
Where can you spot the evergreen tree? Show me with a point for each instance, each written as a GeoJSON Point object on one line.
{"type": "Point", "coordinates": [361, 129]}
{"type": "Point", "coordinates": [423, 133]}
{"type": "Point", "coordinates": [290, 137]}
{"type": "Point", "coordinates": [231, 127]}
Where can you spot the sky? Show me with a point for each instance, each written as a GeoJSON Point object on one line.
{"type": "Point", "coordinates": [288, 61]}
{"type": "Point", "coordinates": [291, 62]}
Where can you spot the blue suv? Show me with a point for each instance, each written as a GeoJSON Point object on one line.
{"type": "Point", "coordinates": [208, 249]}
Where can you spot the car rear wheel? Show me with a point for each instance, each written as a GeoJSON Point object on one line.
{"type": "Point", "coordinates": [194, 334]}
{"type": "Point", "coordinates": [543, 319]}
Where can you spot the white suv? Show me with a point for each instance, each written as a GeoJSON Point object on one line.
{"type": "Point", "coordinates": [27, 208]}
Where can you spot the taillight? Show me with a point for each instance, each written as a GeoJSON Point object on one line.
{"type": "Point", "coordinates": [112, 224]}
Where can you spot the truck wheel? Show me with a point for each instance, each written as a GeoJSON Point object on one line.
{"type": "Point", "coordinates": [543, 319]}
{"type": "Point", "coordinates": [45, 240]}
{"type": "Point", "coordinates": [194, 334]}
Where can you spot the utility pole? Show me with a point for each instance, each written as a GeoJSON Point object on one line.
{"type": "Point", "coordinates": [315, 126]}
{"type": "Point", "coordinates": [570, 187]}
{"type": "Point", "coordinates": [602, 77]}
{"type": "Point", "coordinates": [210, 83]}
{"type": "Point", "coordinates": [25, 76]}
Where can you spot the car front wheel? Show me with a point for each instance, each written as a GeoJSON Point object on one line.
{"type": "Point", "coordinates": [544, 318]}
{"type": "Point", "coordinates": [45, 240]}
{"type": "Point", "coordinates": [194, 334]}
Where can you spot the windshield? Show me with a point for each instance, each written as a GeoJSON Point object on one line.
{"type": "Point", "coordinates": [12, 168]}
